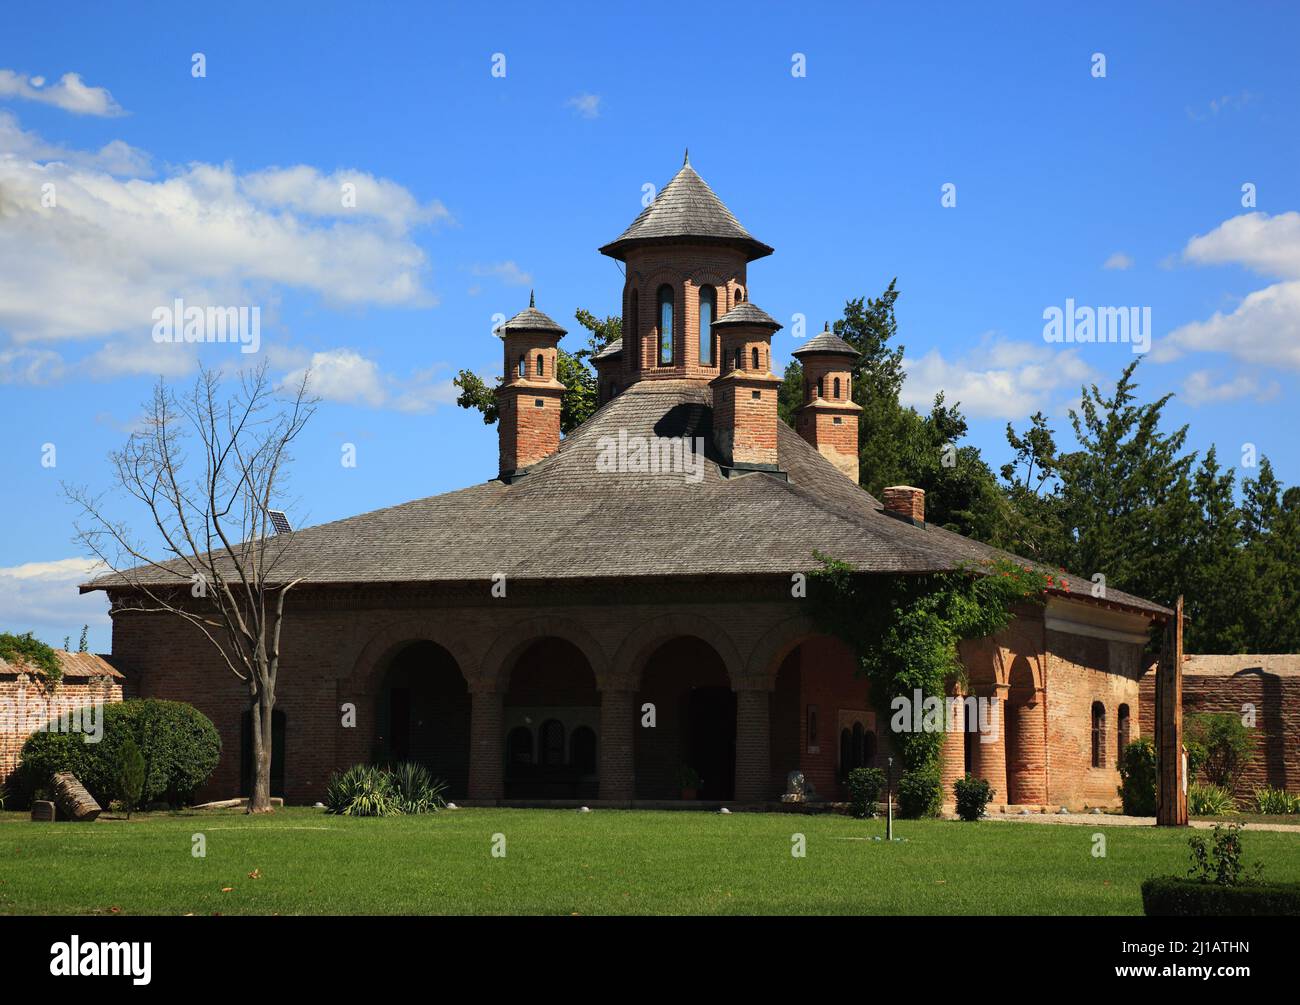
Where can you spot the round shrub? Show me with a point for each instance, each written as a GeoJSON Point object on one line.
{"type": "Point", "coordinates": [865, 786]}
{"type": "Point", "coordinates": [179, 744]}
{"type": "Point", "coordinates": [973, 794]}
{"type": "Point", "coordinates": [920, 792]}
{"type": "Point", "coordinates": [1137, 772]}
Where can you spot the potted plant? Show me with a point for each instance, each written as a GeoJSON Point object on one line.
{"type": "Point", "coordinates": [690, 782]}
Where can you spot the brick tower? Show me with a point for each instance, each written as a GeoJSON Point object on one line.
{"type": "Point", "coordinates": [685, 258]}
{"type": "Point", "coordinates": [528, 401]}
{"type": "Point", "coordinates": [745, 393]}
{"type": "Point", "coordinates": [828, 418]}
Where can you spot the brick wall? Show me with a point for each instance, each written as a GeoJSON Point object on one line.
{"type": "Point", "coordinates": [1268, 684]}
{"type": "Point", "coordinates": [21, 698]}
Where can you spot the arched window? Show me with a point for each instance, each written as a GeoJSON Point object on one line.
{"type": "Point", "coordinates": [869, 747]}
{"type": "Point", "coordinates": [552, 752]}
{"type": "Point", "coordinates": [519, 746]}
{"type": "Point", "coordinates": [523, 367]}
{"type": "Point", "coordinates": [1098, 734]}
{"type": "Point", "coordinates": [859, 740]}
{"type": "Point", "coordinates": [665, 325]}
{"type": "Point", "coordinates": [819, 387]}
{"type": "Point", "coordinates": [754, 358]}
{"type": "Point", "coordinates": [708, 301]}
{"type": "Point", "coordinates": [633, 337]}
{"type": "Point", "coordinates": [582, 750]}
{"type": "Point", "coordinates": [541, 366]}
{"type": "Point", "coordinates": [1123, 726]}
{"type": "Point", "coordinates": [837, 388]}
{"type": "Point", "coordinates": [846, 751]}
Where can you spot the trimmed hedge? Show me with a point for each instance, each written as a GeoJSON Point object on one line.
{"type": "Point", "coordinates": [1173, 897]}
{"type": "Point", "coordinates": [180, 745]}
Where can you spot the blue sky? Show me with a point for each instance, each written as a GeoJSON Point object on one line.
{"type": "Point", "coordinates": [1122, 190]}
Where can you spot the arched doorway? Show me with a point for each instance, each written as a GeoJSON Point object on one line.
{"type": "Point", "coordinates": [425, 714]}
{"type": "Point", "coordinates": [551, 715]}
{"type": "Point", "coordinates": [1026, 737]}
{"type": "Point", "coordinates": [695, 723]}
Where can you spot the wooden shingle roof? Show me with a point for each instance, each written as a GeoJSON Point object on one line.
{"type": "Point", "coordinates": [570, 518]}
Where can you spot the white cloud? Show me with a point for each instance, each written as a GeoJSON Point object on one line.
{"type": "Point", "coordinates": [507, 272]}
{"type": "Point", "coordinates": [1264, 328]}
{"type": "Point", "coordinates": [997, 379]}
{"type": "Point", "coordinates": [43, 597]}
{"type": "Point", "coordinates": [1200, 389]}
{"type": "Point", "coordinates": [110, 250]}
{"type": "Point", "coordinates": [115, 157]}
{"type": "Point", "coordinates": [70, 93]}
{"type": "Point", "coordinates": [586, 105]}
{"type": "Point", "coordinates": [347, 377]}
{"type": "Point", "coordinates": [1118, 260]}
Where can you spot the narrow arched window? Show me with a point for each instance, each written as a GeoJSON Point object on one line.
{"type": "Point", "coordinates": [735, 363]}
{"type": "Point", "coordinates": [632, 339]}
{"type": "Point", "coordinates": [708, 301]}
{"type": "Point", "coordinates": [665, 325]}
{"type": "Point", "coordinates": [582, 750]}
{"type": "Point", "coordinates": [869, 748]}
{"type": "Point", "coordinates": [519, 746]}
{"type": "Point", "coordinates": [1098, 734]}
{"type": "Point", "coordinates": [754, 358]}
{"type": "Point", "coordinates": [846, 751]}
{"type": "Point", "coordinates": [859, 741]}
{"type": "Point", "coordinates": [819, 387]}
{"type": "Point", "coordinates": [837, 388]}
{"type": "Point", "coordinates": [1123, 726]}
{"type": "Point", "coordinates": [541, 367]}
{"type": "Point", "coordinates": [523, 367]}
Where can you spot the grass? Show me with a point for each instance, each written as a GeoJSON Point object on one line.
{"type": "Point", "coordinates": [604, 862]}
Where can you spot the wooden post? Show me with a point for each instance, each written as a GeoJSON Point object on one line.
{"type": "Point", "coordinates": [1171, 795]}
{"type": "Point", "coordinates": [72, 798]}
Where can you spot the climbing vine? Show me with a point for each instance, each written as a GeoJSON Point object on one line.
{"type": "Point", "coordinates": [30, 652]}
{"type": "Point", "coordinates": [905, 630]}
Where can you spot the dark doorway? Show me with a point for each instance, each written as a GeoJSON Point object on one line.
{"type": "Point", "coordinates": [551, 700]}
{"type": "Point", "coordinates": [425, 717]}
{"type": "Point", "coordinates": [711, 740]}
{"type": "Point", "coordinates": [246, 753]}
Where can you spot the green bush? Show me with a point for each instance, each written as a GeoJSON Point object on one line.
{"type": "Point", "coordinates": [1276, 801]}
{"type": "Point", "coordinates": [865, 786]}
{"type": "Point", "coordinates": [415, 789]}
{"type": "Point", "coordinates": [973, 795]}
{"type": "Point", "coordinates": [1210, 801]}
{"type": "Point", "coordinates": [1217, 858]}
{"type": "Point", "coordinates": [363, 790]}
{"type": "Point", "coordinates": [1219, 746]}
{"type": "Point", "coordinates": [1137, 772]}
{"type": "Point", "coordinates": [179, 744]}
{"type": "Point", "coordinates": [130, 775]}
{"type": "Point", "coordinates": [1172, 897]}
{"type": "Point", "coordinates": [920, 792]}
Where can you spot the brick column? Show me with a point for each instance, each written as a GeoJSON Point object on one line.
{"type": "Point", "coordinates": [618, 724]}
{"type": "Point", "coordinates": [486, 758]}
{"type": "Point", "coordinates": [753, 745]}
{"type": "Point", "coordinates": [989, 750]}
{"type": "Point", "coordinates": [1027, 757]}
{"type": "Point", "coordinates": [954, 748]}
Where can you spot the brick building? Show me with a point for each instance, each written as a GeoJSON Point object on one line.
{"type": "Point", "coordinates": [511, 635]}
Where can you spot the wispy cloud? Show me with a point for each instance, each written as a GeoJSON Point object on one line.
{"type": "Point", "coordinates": [1200, 388]}
{"type": "Point", "coordinates": [506, 272]}
{"type": "Point", "coordinates": [347, 377]}
{"type": "Point", "coordinates": [586, 105]}
{"type": "Point", "coordinates": [42, 597]}
{"type": "Point", "coordinates": [1119, 260]}
{"type": "Point", "coordinates": [70, 93]}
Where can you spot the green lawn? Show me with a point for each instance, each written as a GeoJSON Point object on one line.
{"type": "Point", "coordinates": [563, 862]}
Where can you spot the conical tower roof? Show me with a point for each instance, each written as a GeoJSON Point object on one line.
{"type": "Point", "coordinates": [530, 319]}
{"type": "Point", "coordinates": [686, 209]}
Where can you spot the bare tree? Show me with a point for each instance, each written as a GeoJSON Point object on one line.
{"type": "Point", "coordinates": [211, 514]}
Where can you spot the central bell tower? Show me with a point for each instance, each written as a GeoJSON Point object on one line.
{"type": "Point", "coordinates": [685, 258]}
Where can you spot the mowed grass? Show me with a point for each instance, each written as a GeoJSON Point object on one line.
{"type": "Point", "coordinates": [603, 862]}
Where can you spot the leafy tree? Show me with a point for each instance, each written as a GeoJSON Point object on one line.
{"type": "Point", "coordinates": [129, 775]}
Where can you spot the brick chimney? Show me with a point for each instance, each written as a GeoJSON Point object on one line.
{"type": "Point", "coordinates": [906, 503]}
{"type": "Point", "coordinates": [529, 399]}
{"type": "Point", "coordinates": [745, 393]}
{"type": "Point", "coordinates": [828, 418]}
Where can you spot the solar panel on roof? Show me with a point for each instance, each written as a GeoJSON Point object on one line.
{"type": "Point", "coordinates": [279, 521]}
